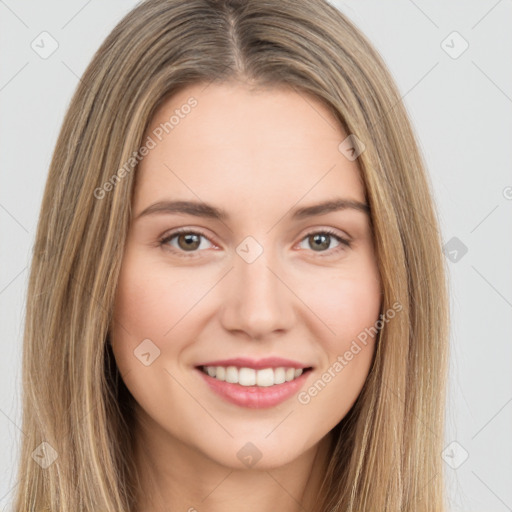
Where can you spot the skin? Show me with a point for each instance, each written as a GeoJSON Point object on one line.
{"type": "Point", "coordinates": [258, 154]}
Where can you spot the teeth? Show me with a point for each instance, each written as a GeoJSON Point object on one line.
{"type": "Point", "coordinates": [279, 375]}
{"type": "Point", "coordinates": [231, 374]}
{"type": "Point", "coordinates": [251, 377]}
{"type": "Point", "coordinates": [265, 377]}
{"type": "Point", "coordinates": [247, 377]}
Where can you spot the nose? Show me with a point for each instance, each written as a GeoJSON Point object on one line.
{"type": "Point", "coordinates": [256, 298]}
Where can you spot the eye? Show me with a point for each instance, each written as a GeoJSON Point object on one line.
{"type": "Point", "coordinates": [188, 241]}
{"type": "Point", "coordinates": [321, 240]}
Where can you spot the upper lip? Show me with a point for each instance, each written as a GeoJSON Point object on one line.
{"type": "Point", "coordinates": [257, 364]}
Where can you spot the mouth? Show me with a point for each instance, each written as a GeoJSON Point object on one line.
{"type": "Point", "coordinates": [261, 388]}
{"type": "Point", "coordinates": [260, 378]}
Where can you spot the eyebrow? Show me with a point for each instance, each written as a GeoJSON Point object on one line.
{"type": "Point", "coordinates": [200, 209]}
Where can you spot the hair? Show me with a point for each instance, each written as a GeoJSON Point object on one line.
{"type": "Point", "coordinates": [386, 452]}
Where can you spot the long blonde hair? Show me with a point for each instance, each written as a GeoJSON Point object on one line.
{"type": "Point", "coordinates": [386, 454]}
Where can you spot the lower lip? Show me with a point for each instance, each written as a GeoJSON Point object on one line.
{"type": "Point", "coordinates": [255, 397]}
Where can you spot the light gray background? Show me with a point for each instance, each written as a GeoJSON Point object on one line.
{"type": "Point", "coordinates": [461, 110]}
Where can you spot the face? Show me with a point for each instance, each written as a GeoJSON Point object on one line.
{"type": "Point", "coordinates": [244, 277]}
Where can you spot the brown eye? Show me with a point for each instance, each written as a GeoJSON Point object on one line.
{"type": "Point", "coordinates": [190, 241]}
{"type": "Point", "coordinates": [320, 241]}
{"type": "Point", "coordinates": [185, 241]}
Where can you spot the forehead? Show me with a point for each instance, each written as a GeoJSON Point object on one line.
{"type": "Point", "coordinates": [229, 143]}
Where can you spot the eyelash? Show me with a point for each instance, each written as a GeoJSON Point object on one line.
{"type": "Point", "coordinates": [344, 243]}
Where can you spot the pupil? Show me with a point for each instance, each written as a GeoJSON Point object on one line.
{"type": "Point", "coordinates": [325, 243]}
{"type": "Point", "coordinates": [191, 241]}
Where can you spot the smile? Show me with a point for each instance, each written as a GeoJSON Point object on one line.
{"type": "Point", "coordinates": [256, 389]}
{"type": "Point", "coordinates": [265, 377]}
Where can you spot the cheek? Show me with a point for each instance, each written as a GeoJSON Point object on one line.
{"type": "Point", "coordinates": [348, 301]}
{"type": "Point", "coordinates": [155, 302]}
{"type": "Point", "coordinates": [147, 305]}
{"type": "Point", "coordinates": [151, 300]}
{"type": "Point", "coordinates": [350, 306]}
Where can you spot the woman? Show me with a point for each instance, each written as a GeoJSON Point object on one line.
{"type": "Point", "coordinates": [237, 296]}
